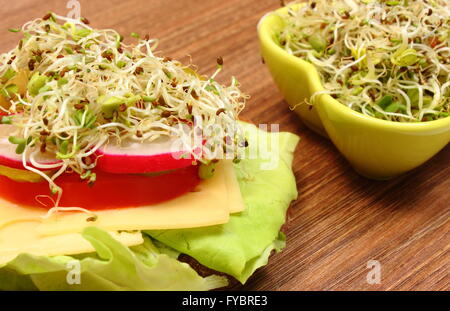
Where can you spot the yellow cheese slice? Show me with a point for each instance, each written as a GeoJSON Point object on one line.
{"type": "Point", "coordinates": [12, 213]}
{"type": "Point", "coordinates": [208, 205]}
{"type": "Point", "coordinates": [211, 204]}
{"type": "Point", "coordinates": [22, 237]}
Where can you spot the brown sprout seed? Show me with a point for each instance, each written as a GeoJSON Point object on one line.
{"type": "Point", "coordinates": [189, 108]}
{"type": "Point", "coordinates": [47, 16]}
{"type": "Point", "coordinates": [79, 106]}
{"type": "Point", "coordinates": [195, 95]}
{"type": "Point", "coordinates": [166, 114]}
{"type": "Point", "coordinates": [87, 161]}
{"type": "Point", "coordinates": [219, 111]}
{"type": "Point", "coordinates": [43, 148]}
{"type": "Point", "coordinates": [31, 64]}
{"type": "Point", "coordinates": [139, 70]}
{"type": "Point", "coordinates": [123, 107]}
{"type": "Point", "coordinates": [92, 219]}
{"type": "Point", "coordinates": [162, 102]}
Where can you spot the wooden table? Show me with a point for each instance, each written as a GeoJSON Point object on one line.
{"type": "Point", "coordinates": [341, 220]}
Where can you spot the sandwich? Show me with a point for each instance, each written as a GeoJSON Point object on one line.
{"type": "Point", "coordinates": [121, 169]}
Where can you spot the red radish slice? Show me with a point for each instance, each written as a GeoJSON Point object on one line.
{"type": "Point", "coordinates": [8, 155]}
{"type": "Point", "coordinates": [132, 157]}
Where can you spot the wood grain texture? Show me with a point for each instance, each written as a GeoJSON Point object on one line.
{"type": "Point", "coordinates": [341, 220]}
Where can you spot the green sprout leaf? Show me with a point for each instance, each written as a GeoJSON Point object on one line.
{"type": "Point", "coordinates": [110, 104]}
{"type": "Point", "coordinates": [36, 82]}
{"type": "Point", "coordinates": [385, 102]}
{"type": "Point", "coordinates": [212, 88]}
{"type": "Point", "coordinates": [20, 142]}
{"type": "Point", "coordinates": [148, 99]}
{"type": "Point", "coordinates": [396, 107]}
{"type": "Point", "coordinates": [393, 2]}
{"type": "Point", "coordinates": [62, 81]}
{"type": "Point", "coordinates": [6, 120]}
{"type": "Point", "coordinates": [405, 58]}
{"type": "Point", "coordinates": [318, 43]}
{"type": "Point", "coordinates": [89, 118]}
{"type": "Point", "coordinates": [120, 64]}
{"type": "Point", "coordinates": [9, 74]}
{"type": "Point", "coordinates": [64, 146]}
{"type": "Point", "coordinates": [81, 33]}
{"type": "Point", "coordinates": [206, 171]}
{"type": "Point", "coordinates": [9, 90]}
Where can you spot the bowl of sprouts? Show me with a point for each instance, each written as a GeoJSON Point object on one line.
{"type": "Point", "coordinates": [372, 75]}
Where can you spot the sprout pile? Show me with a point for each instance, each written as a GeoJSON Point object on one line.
{"type": "Point", "coordinates": [386, 59]}
{"type": "Point", "coordinates": [69, 89]}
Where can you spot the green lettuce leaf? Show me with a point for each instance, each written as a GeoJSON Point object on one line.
{"type": "Point", "coordinates": [245, 243]}
{"type": "Point", "coordinates": [113, 267]}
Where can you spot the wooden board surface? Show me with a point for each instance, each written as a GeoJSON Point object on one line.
{"type": "Point", "coordinates": [341, 220]}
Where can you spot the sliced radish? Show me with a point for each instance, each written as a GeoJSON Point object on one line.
{"type": "Point", "coordinates": [132, 157]}
{"type": "Point", "coordinates": [8, 155]}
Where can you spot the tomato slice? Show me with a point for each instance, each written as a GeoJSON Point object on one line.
{"type": "Point", "coordinates": [108, 192]}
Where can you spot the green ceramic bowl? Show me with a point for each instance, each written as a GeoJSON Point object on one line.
{"type": "Point", "coordinates": [377, 149]}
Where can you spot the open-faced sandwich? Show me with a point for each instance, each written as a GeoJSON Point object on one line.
{"type": "Point", "coordinates": [129, 167]}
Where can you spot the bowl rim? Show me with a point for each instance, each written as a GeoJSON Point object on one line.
{"type": "Point", "coordinates": [265, 33]}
